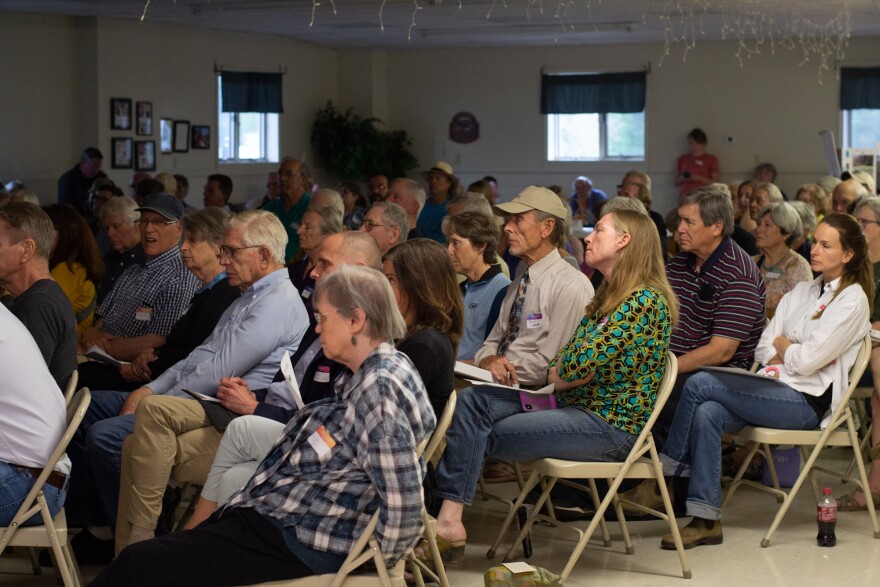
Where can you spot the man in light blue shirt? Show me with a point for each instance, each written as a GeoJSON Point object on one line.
{"type": "Point", "coordinates": [249, 340]}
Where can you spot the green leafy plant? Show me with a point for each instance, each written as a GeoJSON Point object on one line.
{"type": "Point", "coordinates": [352, 147]}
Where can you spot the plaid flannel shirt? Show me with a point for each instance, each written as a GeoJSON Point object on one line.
{"type": "Point", "coordinates": [163, 284]}
{"type": "Point", "coordinates": [376, 419]}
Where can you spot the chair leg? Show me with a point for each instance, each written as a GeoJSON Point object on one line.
{"type": "Point", "coordinates": [35, 563]}
{"type": "Point", "coordinates": [621, 520]}
{"type": "Point", "coordinates": [530, 483]}
{"type": "Point", "coordinates": [670, 515]}
{"type": "Point", "coordinates": [527, 527]}
{"type": "Point", "coordinates": [603, 527]}
{"type": "Point", "coordinates": [771, 465]}
{"type": "Point", "coordinates": [786, 503]}
{"type": "Point", "coordinates": [864, 479]}
{"type": "Point", "coordinates": [737, 481]}
{"type": "Point", "coordinates": [439, 570]}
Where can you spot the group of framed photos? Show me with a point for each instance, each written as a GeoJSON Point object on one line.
{"type": "Point", "coordinates": [175, 136]}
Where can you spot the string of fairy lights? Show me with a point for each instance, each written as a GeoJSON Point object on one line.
{"type": "Point", "coordinates": [757, 26]}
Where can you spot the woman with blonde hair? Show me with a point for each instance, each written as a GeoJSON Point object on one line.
{"type": "Point", "coordinates": [606, 377]}
{"type": "Point", "coordinates": [815, 197]}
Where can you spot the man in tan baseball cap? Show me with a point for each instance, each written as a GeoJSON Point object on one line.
{"type": "Point", "coordinates": [547, 298]}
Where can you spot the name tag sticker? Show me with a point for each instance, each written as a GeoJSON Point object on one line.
{"type": "Point", "coordinates": [773, 275]}
{"type": "Point", "coordinates": [321, 441]}
{"type": "Point", "coordinates": [534, 320]}
{"type": "Point", "coordinates": [143, 314]}
{"type": "Point", "coordinates": [306, 293]}
{"type": "Point", "coordinates": [322, 375]}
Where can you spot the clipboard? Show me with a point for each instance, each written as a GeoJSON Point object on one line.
{"type": "Point", "coordinates": [219, 416]}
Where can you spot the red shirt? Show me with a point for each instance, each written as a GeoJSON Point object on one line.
{"type": "Point", "coordinates": [705, 165]}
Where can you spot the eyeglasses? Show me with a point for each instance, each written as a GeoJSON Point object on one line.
{"type": "Point", "coordinates": [156, 223]}
{"type": "Point", "coordinates": [370, 225]}
{"type": "Point", "coordinates": [865, 222]}
{"type": "Point", "coordinates": [321, 318]}
{"type": "Point", "coordinates": [232, 252]}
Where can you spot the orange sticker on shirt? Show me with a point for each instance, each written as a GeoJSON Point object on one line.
{"type": "Point", "coordinates": [321, 441]}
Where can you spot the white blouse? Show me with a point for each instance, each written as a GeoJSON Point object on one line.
{"type": "Point", "coordinates": [823, 348]}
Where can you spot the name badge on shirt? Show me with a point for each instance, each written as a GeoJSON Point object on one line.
{"type": "Point", "coordinates": [306, 293]}
{"type": "Point", "coordinates": [322, 442]}
{"type": "Point", "coordinates": [143, 313]}
{"type": "Point", "coordinates": [699, 162]}
{"type": "Point", "coordinates": [534, 320]}
{"type": "Point", "coordinates": [773, 274]}
{"type": "Point", "coordinates": [322, 375]}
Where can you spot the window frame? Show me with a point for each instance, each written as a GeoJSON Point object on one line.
{"type": "Point", "coordinates": [603, 141]}
{"type": "Point", "coordinates": [269, 152]}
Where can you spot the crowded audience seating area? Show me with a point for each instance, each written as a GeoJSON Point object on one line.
{"type": "Point", "coordinates": [420, 372]}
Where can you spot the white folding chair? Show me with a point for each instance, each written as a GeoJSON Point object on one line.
{"type": "Point", "coordinates": [71, 387]}
{"type": "Point", "coordinates": [366, 548]}
{"type": "Point", "coordinates": [643, 462]}
{"type": "Point", "coordinates": [841, 431]}
{"type": "Point", "coordinates": [438, 574]}
{"type": "Point", "coordinates": [53, 533]}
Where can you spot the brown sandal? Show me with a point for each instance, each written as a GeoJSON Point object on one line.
{"type": "Point", "coordinates": [848, 502]}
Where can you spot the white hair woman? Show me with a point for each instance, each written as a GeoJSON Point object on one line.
{"type": "Point", "coordinates": [335, 464]}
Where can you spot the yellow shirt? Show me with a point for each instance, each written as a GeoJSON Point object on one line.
{"type": "Point", "coordinates": [80, 290]}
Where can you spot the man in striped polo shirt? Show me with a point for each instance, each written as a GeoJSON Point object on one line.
{"type": "Point", "coordinates": [720, 291]}
{"type": "Point", "coordinates": [721, 316]}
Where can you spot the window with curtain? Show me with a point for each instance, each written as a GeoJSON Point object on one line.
{"type": "Point", "coordinates": [594, 117]}
{"type": "Point", "coordinates": [860, 107]}
{"type": "Point", "coordinates": [249, 105]}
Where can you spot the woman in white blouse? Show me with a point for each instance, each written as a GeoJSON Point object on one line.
{"type": "Point", "coordinates": [806, 352]}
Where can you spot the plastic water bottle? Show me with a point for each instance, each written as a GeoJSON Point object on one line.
{"type": "Point", "coordinates": [826, 516]}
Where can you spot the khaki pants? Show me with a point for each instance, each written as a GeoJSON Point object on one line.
{"type": "Point", "coordinates": [172, 439]}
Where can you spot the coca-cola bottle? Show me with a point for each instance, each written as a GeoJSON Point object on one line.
{"type": "Point", "coordinates": [826, 516]}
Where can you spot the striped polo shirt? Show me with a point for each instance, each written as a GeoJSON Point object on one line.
{"type": "Point", "coordinates": [724, 298]}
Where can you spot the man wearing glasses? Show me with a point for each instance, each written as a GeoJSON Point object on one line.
{"type": "Point", "coordinates": [148, 297]}
{"type": "Point", "coordinates": [247, 345]}
{"type": "Point", "coordinates": [387, 223]}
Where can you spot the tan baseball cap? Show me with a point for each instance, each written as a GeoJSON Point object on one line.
{"type": "Point", "coordinates": [533, 198]}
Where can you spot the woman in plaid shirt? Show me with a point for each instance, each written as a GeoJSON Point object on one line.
{"type": "Point", "coordinates": [337, 462]}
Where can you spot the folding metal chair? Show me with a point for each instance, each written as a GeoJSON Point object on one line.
{"type": "Point", "coordinates": [53, 533]}
{"type": "Point", "coordinates": [841, 431]}
{"type": "Point", "coordinates": [643, 462]}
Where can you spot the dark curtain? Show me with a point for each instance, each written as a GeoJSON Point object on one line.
{"type": "Point", "coordinates": [243, 91]}
{"type": "Point", "coordinates": [859, 88]}
{"type": "Point", "coordinates": [602, 92]}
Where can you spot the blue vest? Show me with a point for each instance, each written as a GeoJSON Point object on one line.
{"type": "Point", "coordinates": [478, 300]}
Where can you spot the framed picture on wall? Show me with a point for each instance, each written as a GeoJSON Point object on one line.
{"type": "Point", "coordinates": [166, 135]}
{"type": "Point", "coordinates": [121, 149]}
{"type": "Point", "coordinates": [181, 136]}
{"type": "Point", "coordinates": [201, 137]}
{"type": "Point", "coordinates": [120, 113]}
{"type": "Point", "coordinates": [146, 156]}
{"type": "Point", "coordinates": [144, 118]}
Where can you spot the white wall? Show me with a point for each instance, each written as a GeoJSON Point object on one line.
{"type": "Point", "coordinates": [772, 105]}
{"type": "Point", "coordinates": [65, 71]}
{"type": "Point", "coordinates": [60, 73]}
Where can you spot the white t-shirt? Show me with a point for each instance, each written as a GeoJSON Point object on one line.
{"type": "Point", "coordinates": [32, 410]}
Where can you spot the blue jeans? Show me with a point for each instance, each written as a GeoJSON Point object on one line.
{"type": "Point", "coordinates": [14, 487]}
{"type": "Point", "coordinates": [714, 403]}
{"type": "Point", "coordinates": [489, 421]}
{"type": "Point", "coordinates": [96, 453]}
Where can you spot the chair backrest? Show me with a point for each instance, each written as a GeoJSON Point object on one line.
{"type": "Point", "coordinates": [663, 393]}
{"type": "Point", "coordinates": [76, 411]}
{"type": "Point", "coordinates": [855, 373]}
{"type": "Point", "coordinates": [71, 386]}
{"type": "Point", "coordinates": [442, 426]}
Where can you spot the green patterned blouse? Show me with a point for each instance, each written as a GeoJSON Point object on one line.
{"type": "Point", "coordinates": [627, 350]}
